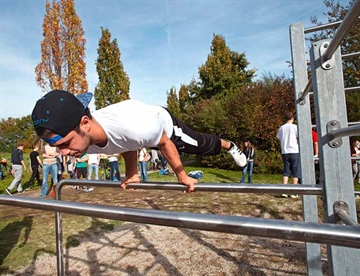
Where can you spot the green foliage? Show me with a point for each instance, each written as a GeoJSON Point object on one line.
{"type": "Point", "coordinates": [15, 130]}
{"type": "Point", "coordinates": [172, 102]}
{"type": "Point", "coordinates": [268, 162]}
{"type": "Point", "coordinates": [114, 83]}
{"type": "Point", "coordinates": [223, 72]}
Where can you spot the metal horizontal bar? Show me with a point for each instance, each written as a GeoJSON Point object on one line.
{"type": "Point", "coordinates": [345, 131]}
{"type": "Point", "coordinates": [322, 27]}
{"type": "Point", "coordinates": [305, 92]}
{"type": "Point", "coordinates": [205, 187]}
{"type": "Point", "coordinates": [341, 235]}
{"type": "Point", "coordinates": [350, 19]}
{"type": "Point", "coordinates": [346, 56]}
{"type": "Point", "coordinates": [350, 89]}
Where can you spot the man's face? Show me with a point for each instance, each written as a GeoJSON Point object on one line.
{"type": "Point", "coordinates": [75, 143]}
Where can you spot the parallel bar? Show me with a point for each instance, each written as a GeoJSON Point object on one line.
{"type": "Point", "coordinates": [323, 27]}
{"type": "Point", "coordinates": [341, 235]}
{"type": "Point", "coordinates": [205, 187]}
{"type": "Point", "coordinates": [350, 19]}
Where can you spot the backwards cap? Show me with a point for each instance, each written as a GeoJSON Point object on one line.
{"type": "Point", "coordinates": [59, 111]}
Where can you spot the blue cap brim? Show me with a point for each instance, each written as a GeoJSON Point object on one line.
{"type": "Point", "coordinates": [85, 98]}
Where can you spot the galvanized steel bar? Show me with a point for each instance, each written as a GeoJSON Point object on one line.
{"type": "Point", "coordinates": [323, 27]}
{"type": "Point", "coordinates": [204, 187]}
{"type": "Point", "coordinates": [350, 89]}
{"type": "Point", "coordinates": [351, 55]}
{"type": "Point", "coordinates": [304, 92]}
{"type": "Point", "coordinates": [341, 235]}
{"type": "Point", "coordinates": [310, 208]}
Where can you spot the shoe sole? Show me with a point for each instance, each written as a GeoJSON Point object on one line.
{"type": "Point", "coordinates": [10, 194]}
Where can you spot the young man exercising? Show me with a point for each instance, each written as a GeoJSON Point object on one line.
{"type": "Point", "coordinates": [64, 120]}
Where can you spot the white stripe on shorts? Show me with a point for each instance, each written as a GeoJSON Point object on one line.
{"type": "Point", "coordinates": [184, 137]}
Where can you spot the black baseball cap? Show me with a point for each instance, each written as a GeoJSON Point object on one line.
{"type": "Point", "coordinates": [59, 111]}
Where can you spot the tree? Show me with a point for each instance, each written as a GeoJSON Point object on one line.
{"type": "Point", "coordinates": [62, 63]}
{"type": "Point", "coordinates": [184, 98]}
{"type": "Point", "coordinates": [350, 44]}
{"type": "Point", "coordinates": [15, 130]}
{"type": "Point", "coordinates": [222, 73]}
{"type": "Point", "coordinates": [114, 83]}
{"type": "Point", "coordinates": [172, 102]}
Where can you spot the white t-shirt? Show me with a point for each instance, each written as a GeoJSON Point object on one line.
{"type": "Point", "coordinates": [288, 138]}
{"type": "Point", "coordinates": [131, 125]}
{"type": "Point", "coordinates": [93, 158]}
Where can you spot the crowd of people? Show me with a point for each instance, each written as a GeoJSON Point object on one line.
{"type": "Point", "coordinates": [54, 165]}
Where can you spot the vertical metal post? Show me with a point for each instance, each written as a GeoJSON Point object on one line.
{"type": "Point", "coordinates": [310, 209]}
{"type": "Point", "coordinates": [330, 106]}
{"type": "Point", "coordinates": [58, 233]}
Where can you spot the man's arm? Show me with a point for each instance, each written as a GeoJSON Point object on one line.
{"type": "Point", "coordinates": [316, 149]}
{"type": "Point", "coordinates": [131, 172]}
{"type": "Point", "coordinates": [170, 153]}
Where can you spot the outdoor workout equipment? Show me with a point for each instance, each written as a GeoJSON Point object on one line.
{"type": "Point", "coordinates": [336, 183]}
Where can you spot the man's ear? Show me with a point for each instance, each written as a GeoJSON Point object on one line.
{"type": "Point", "coordinates": [85, 123]}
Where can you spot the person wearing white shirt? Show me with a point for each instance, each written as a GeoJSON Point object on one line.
{"type": "Point", "coordinates": [288, 136]}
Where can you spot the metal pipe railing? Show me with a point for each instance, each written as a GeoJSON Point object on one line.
{"type": "Point", "coordinates": [203, 187]}
{"type": "Point", "coordinates": [350, 89]}
{"type": "Point", "coordinates": [323, 26]}
{"type": "Point", "coordinates": [341, 235]}
{"type": "Point", "coordinates": [351, 55]}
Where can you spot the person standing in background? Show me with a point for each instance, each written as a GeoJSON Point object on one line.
{"type": "Point", "coordinates": [17, 162]}
{"type": "Point", "coordinates": [249, 153]}
{"type": "Point", "coordinates": [81, 171]}
{"type": "Point", "coordinates": [355, 152]}
{"type": "Point", "coordinates": [143, 157]}
{"type": "Point", "coordinates": [315, 141]}
{"type": "Point", "coordinates": [93, 165]}
{"type": "Point", "coordinates": [49, 154]}
{"type": "Point", "coordinates": [288, 136]}
{"type": "Point", "coordinates": [154, 159]}
{"type": "Point", "coordinates": [71, 162]}
{"type": "Point", "coordinates": [114, 167]}
{"type": "Point", "coordinates": [35, 162]}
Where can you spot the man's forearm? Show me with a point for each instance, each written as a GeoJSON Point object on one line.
{"type": "Point", "coordinates": [130, 159]}
{"type": "Point", "coordinates": [171, 154]}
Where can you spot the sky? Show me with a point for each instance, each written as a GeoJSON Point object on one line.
{"type": "Point", "coordinates": [162, 42]}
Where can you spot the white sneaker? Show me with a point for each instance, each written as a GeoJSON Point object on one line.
{"type": "Point", "coordinates": [294, 196]}
{"type": "Point", "coordinates": [238, 155]}
{"type": "Point", "coordinates": [90, 189]}
{"type": "Point", "coordinates": [284, 195]}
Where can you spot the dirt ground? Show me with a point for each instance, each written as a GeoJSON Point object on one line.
{"type": "Point", "coordinates": [139, 249]}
